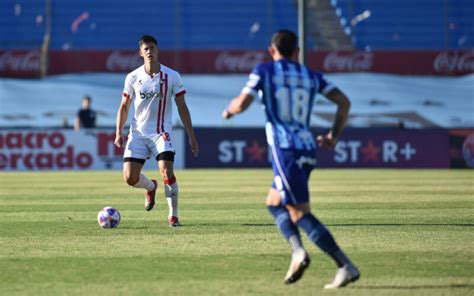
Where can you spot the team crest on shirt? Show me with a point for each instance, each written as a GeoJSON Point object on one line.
{"type": "Point", "coordinates": [150, 95]}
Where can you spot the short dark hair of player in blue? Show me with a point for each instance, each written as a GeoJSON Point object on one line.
{"type": "Point", "coordinates": [286, 42]}
{"type": "Point", "coordinates": [286, 90]}
{"type": "Point", "coordinates": [146, 39]}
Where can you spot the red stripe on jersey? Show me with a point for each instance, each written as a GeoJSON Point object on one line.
{"type": "Point", "coordinates": [164, 103]}
{"type": "Point", "coordinates": [180, 93]}
{"type": "Point", "coordinates": [126, 95]}
{"type": "Point", "coordinates": [159, 108]}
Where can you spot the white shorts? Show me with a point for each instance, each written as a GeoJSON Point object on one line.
{"type": "Point", "coordinates": [144, 147]}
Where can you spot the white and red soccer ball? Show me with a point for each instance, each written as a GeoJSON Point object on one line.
{"type": "Point", "coordinates": [108, 217]}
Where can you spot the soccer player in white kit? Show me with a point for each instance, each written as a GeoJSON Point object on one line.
{"type": "Point", "coordinates": [152, 88]}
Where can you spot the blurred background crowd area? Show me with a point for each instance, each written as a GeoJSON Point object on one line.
{"type": "Point", "coordinates": [236, 24]}
{"type": "Point", "coordinates": [407, 67]}
{"type": "Point", "coordinates": [403, 63]}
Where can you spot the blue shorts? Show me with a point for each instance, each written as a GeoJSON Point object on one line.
{"type": "Point", "coordinates": [292, 169]}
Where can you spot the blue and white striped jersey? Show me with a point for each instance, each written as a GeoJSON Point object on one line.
{"type": "Point", "coordinates": [287, 91]}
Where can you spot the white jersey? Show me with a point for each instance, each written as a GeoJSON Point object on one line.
{"type": "Point", "coordinates": [152, 98]}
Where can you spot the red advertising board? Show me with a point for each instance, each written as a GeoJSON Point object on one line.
{"type": "Point", "coordinates": [50, 149]}
{"type": "Point", "coordinates": [58, 150]}
{"type": "Point", "coordinates": [21, 63]}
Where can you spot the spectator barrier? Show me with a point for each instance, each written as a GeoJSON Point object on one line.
{"type": "Point", "coordinates": [26, 63]}
{"type": "Point", "coordinates": [51, 149]}
{"type": "Point", "coordinates": [34, 150]}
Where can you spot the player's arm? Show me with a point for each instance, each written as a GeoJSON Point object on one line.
{"type": "Point", "coordinates": [185, 116]}
{"type": "Point", "coordinates": [343, 105]}
{"type": "Point", "coordinates": [122, 115]}
{"type": "Point", "coordinates": [238, 104]}
{"type": "Point", "coordinates": [249, 92]}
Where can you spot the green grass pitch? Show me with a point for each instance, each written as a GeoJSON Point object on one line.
{"type": "Point", "coordinates": [410, 231]}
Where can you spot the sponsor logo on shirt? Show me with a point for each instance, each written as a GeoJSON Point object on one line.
{"type": "Point", "coordinates": [150, 95]}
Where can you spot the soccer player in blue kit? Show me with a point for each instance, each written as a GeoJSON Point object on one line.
{"type": "Point", "coordinates": [287, 90]}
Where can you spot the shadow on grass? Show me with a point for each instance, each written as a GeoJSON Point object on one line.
{"type": "Point", "coordinates": [373, 224]}
{"type": "Point", "coordinates": [412, 287]}
{"type": "Point", "coordinates": [403, 224]}
{"type": "Point", "coordinates": [258, 224]}
{"type": "Point", "coordinates": [329, 225]}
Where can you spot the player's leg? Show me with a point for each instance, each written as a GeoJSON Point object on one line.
{"type": "Point", "coordinates": [282, 220]}
{"type": "Point", "coordinates": [300, 258]}
{"type": "Point", "coordinates": [320, 236]}
{"type": "Point", "coordinates": [282, 162]}
{"type": "Point", "coordinates": [294, 169]}
{"type": "Point", "coordinates": [162, 149]}
{"type": "Point", "coordinates": [166, 167]}
{"type": "Point", "coordinates": [301, 215]}
{"type": "Point", "coordinates": [134, 157]}
{"type": "Point", "coordinates": [294, 173]}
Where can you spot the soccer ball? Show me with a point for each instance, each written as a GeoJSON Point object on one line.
{"type": "Point", "coordinates": [108, 217]}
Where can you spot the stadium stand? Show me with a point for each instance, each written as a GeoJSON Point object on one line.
{"type": "Point", "coordinates": [204, 24]}
{"type": "Point", "coordinates": [236, 24]}
{"type": "Point", "coordinates": [21, 25]}
{"type": "Point", "coordinates": [407, 24]}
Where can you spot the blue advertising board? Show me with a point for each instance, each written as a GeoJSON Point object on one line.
{"type": "Point", "coordinates": [357, 148]}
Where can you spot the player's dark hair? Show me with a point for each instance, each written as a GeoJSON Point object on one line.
{"type": "Point", "coordinates": [147, 39]}
{"type": "Point", "coordinates": [286, 42]}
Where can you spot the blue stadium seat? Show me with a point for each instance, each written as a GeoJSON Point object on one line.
{"type": "Point", "coordinates": [21, 24]}
{"type": "Point", "coordinates": [410, 24]}
{"type": "Point", "coordinates": [185, 24]}
{"type": "Point", "coordinates": [230, 24]}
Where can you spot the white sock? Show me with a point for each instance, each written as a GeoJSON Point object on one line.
{"type": "Point", "coordinates": [295, 244]}
{"type": "Point", "coordinates": [171, 194]}
{"type": "Point", "coordinates": [144, 182]}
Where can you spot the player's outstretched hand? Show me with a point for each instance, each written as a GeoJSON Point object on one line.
{"type": "Point", "coordinates": [326, 141]}
{"type": "Point", "coordinates": [118, 141]}
{"type": "Point", "coordinates": [194, 146]}
{"type": "Point", "coordinates": [226, 114]}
